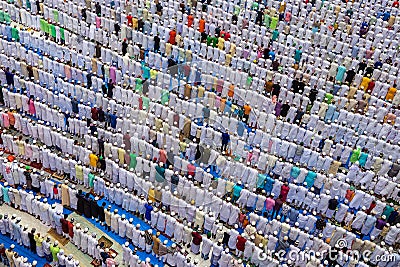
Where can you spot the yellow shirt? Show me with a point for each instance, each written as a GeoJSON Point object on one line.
{"type": "Point", "coordinates": [38, 240]}
{"type": "Point", "coordinates": [232, 49]}
{"type": "Point", "coordinates": [93, 160]}
{"type": "Point", "coordinates": [151, 195]}
{"type": "Point", "coordinates": [153, 74]}
{"type": "Point", "coordinates": [168, 49]}
{"type": "Point", "coordinates": [79, 172]}
{"type": "Point", "coordinates": [221, 42]}
{"type": "Point", "coordinates": [134, 23]}
{"type": "Point", "coordinates": [364, 83]}
{"type": "Point", "coordinates": [228, 59]}
{"type": "Point", "coordinates": [200, 91]}
{"type": "Point", "coordinates": [390, 94]}
{"type": "Point", "coordinates": [182, 146]}
{"type": "Point", "coordinates": [121, 156]}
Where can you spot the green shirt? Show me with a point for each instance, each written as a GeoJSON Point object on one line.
{"type": "Point", "coordinates": [214, 41]}
{"type": "Point", "coordinates": [249, 80]}
{"type": "Point", "coordinates": [54, 251]}
{"type": "Point", "coordinates": [160, 174]}
{"type": "Point", "coordinates": [53, 30]}
{"type": "Point", "coordinates": [55, 15]}
{"type": "Point", "coordinates": [44, 26]}
{"type": "Point", "coordinates": [267, 20]}
{"type": "Point", "coordinates": [139, 86]}
{"type": "Point", "coordinates": [146, 102]}
{"type": "Point", "coordinates": [275, 35]}
{"type": "Point", "coordinates": [328, 98]}
{"type": "Point", "coordinates": [62, 34]}
{"type": "Point", "coordinates": [1, 16]}
{"type": "Point", "coordinates": [355, 155]}
{"type": "Point", "coordinates": [7, 17]}
{"type": "Point", "coordinates": [132, 164]}
{"type": "Point", "coordinates": [91, 180]}
{"type": "Point", "coordinates": [164, 96]}
{"type": "Point", "coordinates": [209, 40]}
{"type": "Point", "coordinates": [15, 34]}
{"type": "Point", "coordinates": [274, 23]}
{"type": "Point", "coordinates": [237, 10]}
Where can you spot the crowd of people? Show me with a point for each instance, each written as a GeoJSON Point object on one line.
{"type": "Point", "coordinates": [245, 132]}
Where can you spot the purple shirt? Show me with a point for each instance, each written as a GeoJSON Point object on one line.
{"type": "Point", "coordinates": [380, 223]}
{"type": "Point", "coordinates": [278, 107]}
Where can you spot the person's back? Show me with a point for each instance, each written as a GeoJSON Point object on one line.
{"type": "Point", "coordinates": [225, 138]}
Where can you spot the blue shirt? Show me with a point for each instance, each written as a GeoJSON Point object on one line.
{"type": "Point", "coordinates": [261, 180]}
{"type": "Point", "coordinates": [294, 172]}
{"type": "Point", "coordinates": [149, 208]}
{"type": "Point", "coordinates": [113, 121]}
{"type": "Point", "coordinates": [340, 73]}
{"type": "Point", "coordinates": [236, 190]}
{"type": "Point", "coordinates": [6, 198]}
{"type": "Point", "coordinates": [225, 138]}
{"type": "Point", "coordinates": [269, 182]}
{"type": "Point", "coordinates": [240, 128]}
{"type": "Point", "coordinates": [293, 215]}
{"type": "Point", "coordinates": [310, 178]}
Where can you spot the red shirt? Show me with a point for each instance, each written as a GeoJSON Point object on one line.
{"type": "Point", "coordinates": [71, 229]}
{"type": "Point", "coordinates": [284, 192]}
{"type": "Point", "coordinates": [95, 114]}
{"type": "Point", "coordinates": [370, 87]}
{"type": "Point", "coordinates": [196, 238]}
{"type": "Point", "coordinates": [227, 36]}
{"type": "Point", "coordinates": [129, 19]}
{"type": "Point", "coordinates": [64, 226]}
{"type": "Point", "coordinates": [242, 216]}
{"type": "Point", "coordinates": [172, 36]}
{"type": "Point", "coordinates": [241, 241]}
{"type": "Point", "coordinates": [191, 169]}
{"type": "Point", "coordinates": [190, 21]}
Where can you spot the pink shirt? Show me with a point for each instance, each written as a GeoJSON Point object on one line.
{"type": "Point", "coordinates": [6, 120]}
{"type": "Point", "coordinates": [269, 204]}
{"type": "Point", "coordinates": [217, 101]}
{"type": "Point", "coordinates": [111, 262]}
{"type": "Point", "coordinates": [113, 75]}
{"type": "Point", "coordinates": [67, 70]}
{"type": "Point", "coordinates": [32, 109]}
{"type": "Point", "coordinates": [162, 156]}
{"type": "Point", "coordinates": [98, 22]}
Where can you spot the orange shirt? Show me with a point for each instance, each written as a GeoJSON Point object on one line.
{"type": "Point", "coordinates": [202, 25]}
{"type": "Point", "coordinates": [247, 109]}
{"type": "Point", "coordinates": [222, 105]}
{"type": "Point", "coordinates": [231, 90]}
{"type": "Point", "coordinates": [11, 118]}
{"type": "Point", "coordinates": [390, 94]}
{"type": "Point", "coordinates": [172, 36]}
